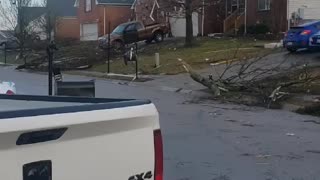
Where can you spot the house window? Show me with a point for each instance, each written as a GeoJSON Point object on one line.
{"type": "Point", "coordinates": [264, 5]}
{"type": "Point", "coordinates": [88, 5]}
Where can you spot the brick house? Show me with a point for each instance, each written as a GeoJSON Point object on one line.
{"type": "Point", "coordinates": [273, 13]}
{"type": "Point", "coordinates": [94, 16]}
{"type": "Point", "coordinates": [276, 14]}
{"type": "Point", "coordinates": [67, 24]}
{"type": "Point", "coordinates": [63, 20]}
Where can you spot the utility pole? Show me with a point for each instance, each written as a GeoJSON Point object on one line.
{"type": "Point", "coordinates": [21, 33]}
{"type": "Point", "coordinates": [245, 16]}
{"type": "Point", "coordinates": [203, 16]}
{"type": "Point", "coordinates": [288, 14]}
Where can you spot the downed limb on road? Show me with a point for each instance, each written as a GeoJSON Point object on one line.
{"type": "Point", "coordinates": [255, 79]}
{"type": "Point", "coordinates": [202, 80]}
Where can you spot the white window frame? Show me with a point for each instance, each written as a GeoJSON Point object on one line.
{"type": "Point", "coordinates": [267, 5]}
{"type": "Point", "coordinates": [88, 5]}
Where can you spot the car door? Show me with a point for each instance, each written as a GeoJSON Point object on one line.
{"type": "Point", "coordinates": [130, 34]}
{"type": "Point", "coordinates": [143, 34]}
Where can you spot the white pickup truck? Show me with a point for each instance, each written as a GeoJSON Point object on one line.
{"type": "Point", "coordinates": [70, 138]}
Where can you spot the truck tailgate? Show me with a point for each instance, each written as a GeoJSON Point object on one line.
{"type": "Point", "coordinates": [109, 144]}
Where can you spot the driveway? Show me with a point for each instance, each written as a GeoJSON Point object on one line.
{"type": "Point", "coordinates": [212, 141]}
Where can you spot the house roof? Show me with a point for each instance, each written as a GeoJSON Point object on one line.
{"type": "Point", "coordinates": [62, 8]}
{"type": "Point", "coordinates": [31, 13]}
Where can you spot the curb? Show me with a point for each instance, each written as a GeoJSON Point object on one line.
{"type": "Point", "coordinates": [122, 77]}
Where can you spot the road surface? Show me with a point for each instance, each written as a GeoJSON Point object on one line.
{"type": "Point", "coordinates": [211, 141]}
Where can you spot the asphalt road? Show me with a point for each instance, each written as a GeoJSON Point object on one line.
{"type": "Point", "coordinates": [211, 141]}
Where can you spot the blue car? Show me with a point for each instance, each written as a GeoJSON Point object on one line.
{"type": "Point", "coordinates": [315, 39]}
{"type": "Point", "coordinates": [299, 37]}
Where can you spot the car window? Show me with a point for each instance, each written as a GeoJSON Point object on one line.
{"type": "Point", "coordinates": [317, 26]}
{"type": "Point", "coordinates": [139, 26]}
{"type": "Point", "coordinates": [131, 27]}
{"type": "Point", "coordinates": [119, 29]}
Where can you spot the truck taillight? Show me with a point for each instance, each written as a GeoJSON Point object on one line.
{"type": "Point", "coordinates": [158, 148]}
{"type": "Point", "coordinates": [306, 32]}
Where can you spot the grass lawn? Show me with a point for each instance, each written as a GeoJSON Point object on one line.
{"type": "Point", "coordinates": [11, 57]}
{"type": "Point", "coordinates": [206, 51]}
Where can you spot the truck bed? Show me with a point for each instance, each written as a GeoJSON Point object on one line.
{"type": "Point", "coordinates": [50, 105]}
{"type": "Point", "coordinates": [71, 138]}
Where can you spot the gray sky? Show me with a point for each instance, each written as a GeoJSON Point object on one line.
{"type": "Point", "coordinates": [3, 23]}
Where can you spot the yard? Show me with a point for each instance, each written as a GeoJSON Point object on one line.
{"type": "Point", "coordinates": [9, 58]}
{"type": "Point", "coordinates": [206, 52]}
{"type": "Point", "coordinates": [72, 55]}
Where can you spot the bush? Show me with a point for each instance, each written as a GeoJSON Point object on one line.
{"type": "Point", "coordinates": [256, 29]}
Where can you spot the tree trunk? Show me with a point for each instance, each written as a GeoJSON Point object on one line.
{"type": "Point", "coordinates": [202, 80]}
{"type": "Point", "coordinates": [189, 24]}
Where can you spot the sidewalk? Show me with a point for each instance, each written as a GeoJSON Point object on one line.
{"type": "Point", "coordinates": [181, 83]}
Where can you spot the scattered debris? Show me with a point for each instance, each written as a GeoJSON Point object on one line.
{"type": "Point", "coordinates": [312, 121]}
{"type": "Point", "coordinates": [248, 125]}
{"type": "Point", "coordinates": [272, 45]}
{"type": "Point", "coordinates": [313, 151]}
{"type": "Point", "coordinates": [231, 120]}
{"type": "Point", "coordinates": [216, 35]}
{"type": "Point", "coordinates": [317, 99]}
{"type": "Point", "coordinates": [290, 134]}
{"type": "Point", "coordinates": [246, 154]}
{"type": "Point", "coordinates": [262, 156]}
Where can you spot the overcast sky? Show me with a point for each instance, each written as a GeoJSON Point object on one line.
{"type": "Point", "coordinates": [3, 23]}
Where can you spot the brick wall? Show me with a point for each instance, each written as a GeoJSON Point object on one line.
{"type": "Point", "coordinates": [275, 18]}
{"type": "Point", "coordinates": [115, 14]}
{"type": "Point", "coordinates": [68, 28]}
{"type": "Point", "coordinates": [88, 17]}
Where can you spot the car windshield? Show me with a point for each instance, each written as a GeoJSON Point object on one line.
{"type": "Point", "coordinates": [119, 29]}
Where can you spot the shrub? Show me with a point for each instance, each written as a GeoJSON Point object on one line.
{"type": "Point", "coordinates": [256, 29]}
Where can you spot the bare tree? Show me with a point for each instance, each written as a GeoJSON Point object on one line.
{"type": "Point", "coordinates": [260, 76]}
{"type": "Point", "coordinates": [187, 8]}
{"type": "Point", "coordinates": [13, 18]}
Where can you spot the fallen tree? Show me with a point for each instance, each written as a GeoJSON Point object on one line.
{"type": "Point", "coordinates": [260, 77]}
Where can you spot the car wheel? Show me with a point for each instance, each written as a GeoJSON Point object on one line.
{"type": "Point", "coordinates": [292, 50]}
{"type": "Point", "coordinates": [118, 46]}
{"type": "Point", "coordinates": [148, 41]}
{"type": "Point", "coordinates": [158, 37]}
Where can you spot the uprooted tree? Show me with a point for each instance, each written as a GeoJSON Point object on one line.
{"type": "Point", "coordinates": [260, 76]}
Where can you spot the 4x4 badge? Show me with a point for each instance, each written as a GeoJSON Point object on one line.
{"type": "Point", "coordinates": [142, 176]}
